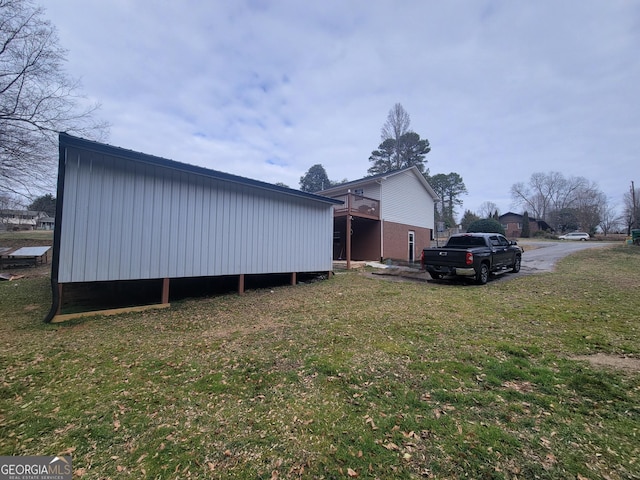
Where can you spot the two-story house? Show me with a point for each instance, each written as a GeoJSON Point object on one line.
{"type": "Point", "coordinates": [386, 216]}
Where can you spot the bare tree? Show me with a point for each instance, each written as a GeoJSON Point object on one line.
{"type": "Point", "coordinates": [487, 209]}
{"type": "Point", "coordinates": [609, 218]}
{"type": "Point", "coordinates": [400, 147]}
{"type": "Point", "coordinates": [37, 100]}
{"type": "Point", "coordinates": [397, 123]}
{"type": "Point", "coordinates": [556, 199]}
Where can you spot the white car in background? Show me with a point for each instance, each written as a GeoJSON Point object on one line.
{"type": "Point", "coordinates": [575, 236]}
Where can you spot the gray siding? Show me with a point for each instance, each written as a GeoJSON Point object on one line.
{"type": "Point", "coordinates": [126, 220]}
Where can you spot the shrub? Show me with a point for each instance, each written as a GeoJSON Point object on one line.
{"type": "Point", "coordinates": [487, 225]}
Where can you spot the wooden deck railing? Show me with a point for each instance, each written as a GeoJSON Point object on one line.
{"type": "Point", "coordinates": [358, 206]}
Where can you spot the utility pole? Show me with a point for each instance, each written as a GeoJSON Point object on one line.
{"type": "Point", "coordinates": [634, 220]}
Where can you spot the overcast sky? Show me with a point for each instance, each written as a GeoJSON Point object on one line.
{"type": "Point", "coordinates": [266, 89]}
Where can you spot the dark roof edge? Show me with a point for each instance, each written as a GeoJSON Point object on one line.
{"type": "Point", "coordinates": [67, 140]}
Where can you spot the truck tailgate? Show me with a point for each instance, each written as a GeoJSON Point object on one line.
{"type": "Point", "coordinates": [450, 257]}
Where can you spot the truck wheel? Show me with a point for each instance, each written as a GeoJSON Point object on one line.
{"type": "Point", "coordinates": [436, 276]}
{"type": "Point", "coordinates": [516, 264]}
{"type": "Point", "coordinates": [483, 274]}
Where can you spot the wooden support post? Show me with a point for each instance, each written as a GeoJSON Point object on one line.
{"type": "Point", "coordinates": [241, 284]}
{"type": "Point", "coordinates": [294, 278]}
{"type": "Point", "coordinates": [349, 230]}
{"type": "Point", "coordinates": [59, 310]}
{"type": "Point", "coordinates": [165, 291]}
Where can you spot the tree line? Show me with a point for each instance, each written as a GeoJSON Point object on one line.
{"type": "Point", "coordinates": [564, 203]}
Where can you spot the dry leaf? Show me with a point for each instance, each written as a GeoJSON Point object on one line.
{"type": "Point", "coordinates": [116, 425]}
{"type": "Point", "coordinates": [352, 473]}
{"type": "Point", "coordinates": [391, 446]}
{"type": "Point", "coordinates": [68, 451]}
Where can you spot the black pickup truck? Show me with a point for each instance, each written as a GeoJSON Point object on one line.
{"type": "Point", "coordinates": [472, 255]}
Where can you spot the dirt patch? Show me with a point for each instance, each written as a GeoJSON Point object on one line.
{"type": "Point", "coordinates": [618, 362]}
{"type": "Point", "coordinates": [42, 270]}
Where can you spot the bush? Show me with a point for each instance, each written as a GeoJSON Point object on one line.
{"type": "Point", "coordinates": [487, 225]}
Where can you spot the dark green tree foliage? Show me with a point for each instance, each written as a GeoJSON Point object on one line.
{"type": "Point", "coordinates": [315, 179]}
{"type": "Point", "coordinates": [487, 225]}
{"type": "Point", "coordinates": [449, 188]}
{"type": "Point", "coordinates": [407, 151]}
{"type": "Point", "coordinates": [400, 147]}
{"type": "Point", "coordinates": [467, 219]}
{"type": "Point", "coordinates": [45, 203]}
{"type": "Point", "coordinates": [526, 228]}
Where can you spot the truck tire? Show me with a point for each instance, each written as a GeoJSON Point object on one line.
{"type": "Point", "coordinates": [436, 276]}
{"type": "Point", "coordinates": [482, 276]}
{"type": "Point", "coordinates": [516, 264]}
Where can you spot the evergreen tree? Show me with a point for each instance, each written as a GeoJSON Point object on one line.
{"type": "Point", "coordinates": [315, 179]}
{"type": "Point", "coordinates": [526, 228]}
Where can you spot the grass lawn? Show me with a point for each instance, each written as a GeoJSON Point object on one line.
{"type": "Point", "coordinates": [353, 377]}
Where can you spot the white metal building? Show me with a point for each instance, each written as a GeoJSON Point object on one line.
{"type": "Point", "coordinates": [123, 215]}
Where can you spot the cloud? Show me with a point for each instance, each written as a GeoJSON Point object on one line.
{"type": "Point", "coordinates": [268, 89]}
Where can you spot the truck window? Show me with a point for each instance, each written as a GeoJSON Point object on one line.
{"type": "Point", "coordinates": [495, 242]}
{"type": "Point", "coordinates": [465, 241]}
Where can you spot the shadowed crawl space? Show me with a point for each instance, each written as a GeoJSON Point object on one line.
{"type": "Point", "coordinates": [92, 296]}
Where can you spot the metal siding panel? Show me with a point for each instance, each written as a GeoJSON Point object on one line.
{"type": "Point", "coordinates": [115, 223]}
{"type": "Point", "coordinates": [156, 223]}
{"type": "Point", "coordinates": [202, 253]}
{"type": "Point", "coordinates": [146, 240]}
{"type": "Point", "coordinates": [212, 264]}
{"type": "Point", "coordinates": [137, 221]}
{"type": "Point", "coordinates": [65, 272]}
{"type": "Point", "coordinates": [166, 261]}
{"type": "Point", "coordinates": [81, 220]}
{"type": "Point", "coordinates": [105, 217]}
{"type": "Point", "coordinates": [122, 220]}
{"type": "Point", "coordinates": [219, 231]}
{"type": "Point", "coordinates": [95, 213]}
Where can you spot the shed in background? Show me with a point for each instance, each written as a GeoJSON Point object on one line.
{"type": "Point", "coordinates": [125, 216]}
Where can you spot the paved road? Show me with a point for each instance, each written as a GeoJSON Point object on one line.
{"type": "Point", "coordinates": [542, 256]}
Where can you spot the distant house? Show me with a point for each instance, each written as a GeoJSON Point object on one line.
{"type": "Point", "coordinates": [386, 216]}
{"type": "Point", "coordinates": [46, 223]}
{"type": "Point", "coordinates": [133, 221]}
{"type": "Point", "coordinates": [12, 220]}
{"type": "Point", "coordinates": [512, 224]}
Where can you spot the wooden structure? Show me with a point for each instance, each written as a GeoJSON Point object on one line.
{"type": "Point", "coordinates": [25, 256]}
